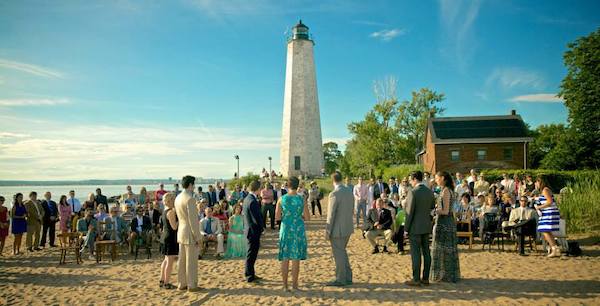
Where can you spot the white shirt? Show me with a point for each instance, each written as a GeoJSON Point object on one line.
{"type": "Point", "coordinates": [140, 220]}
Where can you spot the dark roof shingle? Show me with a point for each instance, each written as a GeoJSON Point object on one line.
{"type": "Point", "coordinates": [479, 128]}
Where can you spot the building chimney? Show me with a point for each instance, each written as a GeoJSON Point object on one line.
{"type": "Point", "coordinates": [513, 112]}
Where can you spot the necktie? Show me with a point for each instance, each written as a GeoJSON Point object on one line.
{"type": "Point", "coordinates": [73, 205]}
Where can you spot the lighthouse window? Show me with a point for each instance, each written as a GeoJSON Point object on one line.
{"type": "Point", "coordinates": [296, 162]}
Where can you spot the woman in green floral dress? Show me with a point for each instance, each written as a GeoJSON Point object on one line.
{"type": "Point", "coordinates": [292, 212]}
{"type": "Point", "coordinates": [236, 242]}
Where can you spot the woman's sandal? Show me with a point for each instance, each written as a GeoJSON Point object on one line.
{"type": "Point", "coordinates": [169, 286]}
{"type": "Point", "coordinates": [161, 284]}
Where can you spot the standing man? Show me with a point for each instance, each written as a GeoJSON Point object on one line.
{"type": "Point", "coordinates": [419, 204]}
{"type": "Point", "coordinates": [159, 194]}
{"type": "Point", "coordinates": [35, 215]}
{"type": "Point", "coordinates": [188, 236]}
{"type": "Point", "coordinates": [339, 228]}
{"type": "Point", "coordinates": [50, 219]}
{"type": "Point", "coordinates": [75, 204]}
{"type": "Point", "coordinates": [253, 226]}
{"type": "Point", "coordinates": [101, 199]}
{"type": "Point", "coordinates": [379, 188]}
{"type": "Point", "coordinates": [360, 193]}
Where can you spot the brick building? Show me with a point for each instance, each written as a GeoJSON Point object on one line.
{"type": "Point", "coordinates": [458, 144]}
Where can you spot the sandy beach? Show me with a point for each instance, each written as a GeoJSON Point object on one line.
{"type": "Point", "coordinates": [492, 278]}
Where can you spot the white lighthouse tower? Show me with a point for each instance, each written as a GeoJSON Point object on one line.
{"type": "Point", "coordinates": [301, 140]}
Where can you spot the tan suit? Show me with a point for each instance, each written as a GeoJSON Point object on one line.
{"type": "Point", "coordinates": [188, 237]}
{"type": "Point", "coordinates": [35, 215]}
{"type": "Point", "coordinates": [521, 214]}
{"type": "Point", "coordinates": [338, 230]}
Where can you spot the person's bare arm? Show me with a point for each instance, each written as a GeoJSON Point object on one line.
{"type": "Point", "coordinates": [278, 210]}
{"type": "Point", "coordinates": [172, 219]}
{"type": "Point", "coordinates": [548, 195]}
{"type": "Point", "coordinates": [306, 212]}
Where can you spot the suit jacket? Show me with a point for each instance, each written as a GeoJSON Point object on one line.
{"type": "Point", "coordinates": [377, 191]}
{"type": "Point", "coordinates": [121, 225]}
{"type": "Point", "coordinates": [155, 216]}
{"type": "Point", "coordinates": [222, 194]}
{"type": "Point", "coordinates": [215, 226]}
{"type": "Point", "coordinates": [83, 223]}
{"type": "Point", "coordinates": [253, 221]}
{"type": "Point", "coordinates": [101, 199]}
{"type": "Point", "coordinates": [385, 219]}
{"type": "Point", "coordinates": [340, 213]}
{"type": "Point", "coordinates": [50, 210]}
{"type": "Point", "coordinates": [146, 225]}
{"type": "Point", "coordinates": [419, 203]}
{"type": "Point", "coordinates": [212, 198]}
{"type": "Point", "coordinates": [188, 231]}
{"type": "Point", "coordinates": [35, 212]}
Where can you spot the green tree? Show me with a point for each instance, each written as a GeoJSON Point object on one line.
{"type": "Point", "coordinates": [546, 138]}
{"type": "Point", "coordinates": [333, 157]}
{"type": "Point", "coordinates": [581, 91]}
{"type": "Point", "coordinates": [413, 116]}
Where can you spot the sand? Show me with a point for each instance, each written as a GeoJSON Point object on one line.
{"type": "Point", "coordinates": [491, 278]}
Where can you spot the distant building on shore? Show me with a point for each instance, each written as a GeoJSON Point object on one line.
{"type": "Point", "coordinates": [458, 144]}
{"type": "Point", "coordinates": [301, 140]}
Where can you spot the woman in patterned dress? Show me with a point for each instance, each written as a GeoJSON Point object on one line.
{"type": "Point", "coordinates": [292, 211]}
{"type": "Point", "coordinates": [550, 216]}
{"type": "Point", "coordinates": [445, 264]}
{"type": "Point", "coordinates": [237, 244]}
{"type": "Point", "coordinates": [4, 224]}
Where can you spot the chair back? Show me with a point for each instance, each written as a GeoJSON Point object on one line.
{"type": "Point", "coordinates": [490, 222]}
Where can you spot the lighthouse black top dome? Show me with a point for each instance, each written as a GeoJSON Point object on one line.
{"type": "Point", "coordinates": [300, 31]}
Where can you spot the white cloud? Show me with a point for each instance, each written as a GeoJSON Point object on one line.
{"type": "Point", "coordinates": [30, 68]}
{"type": "Point", "coordinates": [549, 98]}
{"type": "Point", "coordinates": [387, 35]}
{"type": "Point", "coordinates": [514, 77]}
{"type": "Point", "coordinates": [12, 135]}
{"type": "Point", "coordinates": [457, 18]}
{"type": "Point", "coordinates": [32, 102]}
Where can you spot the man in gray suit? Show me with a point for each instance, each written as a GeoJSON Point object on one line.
{"type": "Point", "coordinates": [419, 204]}
{"type": "Point", "coordinates": [339, 228]}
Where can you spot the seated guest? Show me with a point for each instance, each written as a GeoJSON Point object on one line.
{"type": "Point", "coordinates": [398, 228]}
{"type": "Point", "coordinates": [219, 213]}
{"type": "Point", "coordinates": [522, 213]}
{"type": "Point", "coordinates": [116, 227]}
{"type": "Point", "coordinates": [481, 185]}
{"type": "Point", "coordinates": [127, 213]}
{"type": "Point", "coordinates": [237, 244]}
{"type": "Point", "coordinates": [466, 208]}
{"type": "Point", "coordinates": [490, 207]}
{"type": "Point", "coordinates": [88, 226]}
{"type": "Point", "coordinates": [131, 200]}
{"type": "Point", "coordinates": [101, 215]}
{"type": "Point", "coordinates": [379, 223]}
{"type": "Point", "coordinates": [141, 226]}
{"type": "Point", "coordinates": [201, 207]}
{"type": "Point", "coordinates": [211, 230]}
{"type": "Point", "coordinates": [154, 214]}
{"type": "Point", "coordinates": [90, 203]}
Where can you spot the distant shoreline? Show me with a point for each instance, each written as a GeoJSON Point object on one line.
{"type": "Point", "coordinates": [13, 183]}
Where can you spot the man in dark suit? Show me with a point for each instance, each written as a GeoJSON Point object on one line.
{"type": "Point", "coordinates": [379, 223]}
{"type": "Point", "coordinates": [141, 226]}
{"type": "Point", "coordinates": [379, 188]}
{"type": "Point", "coordinates": [253, 226]}
{"type": "Point", "coordinates": [419, 204]}
{"type": "Point", "coordinates": [49, 220]}
{"type": "Point", "coordinates": [101, 199]}
{"type": "Point", "coordinates": [212, 196]}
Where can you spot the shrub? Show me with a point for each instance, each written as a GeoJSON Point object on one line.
{"type": "Point", "coordinates": [244, 180]}
{"type": "Point", "coordinates": [556, 179]}
{"type": "Point", "coordinates": [401, 171]}
{"type": "Point", "coordinates": [580, 205]}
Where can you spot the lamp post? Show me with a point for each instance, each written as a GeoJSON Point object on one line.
{"type": "Point", "coordinates": [237, 158]}
{"type": "Point", "coordinates": [270, 165]}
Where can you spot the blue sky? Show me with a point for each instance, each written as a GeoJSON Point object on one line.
{"type": "Point", "coordinates": [137, 89]}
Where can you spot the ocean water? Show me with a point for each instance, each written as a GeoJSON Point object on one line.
{"type": "Point", "coordinates": [81, 191]}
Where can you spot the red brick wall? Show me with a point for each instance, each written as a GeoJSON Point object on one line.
{"type": "Point", "coordinates": [468, 159]}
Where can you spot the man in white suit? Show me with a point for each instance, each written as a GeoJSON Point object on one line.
{"type": "Point", "coordinates": [188, 236]}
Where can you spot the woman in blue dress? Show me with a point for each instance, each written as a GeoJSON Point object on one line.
{"type": "Point", "coordinates": [550, 216]}
{"type": "Point", "coordinates": [292, 212]}
{"type": "Point", "coordinates": [19, 223]}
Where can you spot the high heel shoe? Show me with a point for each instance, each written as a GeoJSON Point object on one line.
{"type": "Point", "coordinates": [555, 252]}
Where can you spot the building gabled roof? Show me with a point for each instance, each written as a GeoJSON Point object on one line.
{"type": "Point", "coordinates": [478, 129]}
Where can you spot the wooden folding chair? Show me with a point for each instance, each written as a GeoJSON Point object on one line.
{"type": "Point", "coordinates": [467, 234]}
{"type": "Point", "coordinates": [102, 244]}
{"type": "Point", "coordinates": [70, 242]}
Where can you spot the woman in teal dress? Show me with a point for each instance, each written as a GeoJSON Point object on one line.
{"type": "Point", "coordinates": [237, 244]}
{"type": "Point", "coordinates": [292, 212]}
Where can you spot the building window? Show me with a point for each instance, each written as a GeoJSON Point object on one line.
{"type": "Point", "coordinates": [296, 162]}
{"type": "Point", "coordinates": [455, 155]}
{"type": "Point", "coordinates": [481, 154]}
{"type": "Point", "coordinates": [507, 153]}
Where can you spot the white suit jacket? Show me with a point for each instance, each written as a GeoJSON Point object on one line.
{"type": "Point", "coordinates": [188, 231]}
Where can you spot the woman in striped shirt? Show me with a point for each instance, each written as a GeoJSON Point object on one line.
{"type": "Point", "coordinates": [550, 216]}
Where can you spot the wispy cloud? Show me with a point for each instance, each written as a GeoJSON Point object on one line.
{"type": "Point", "coordinates": [515, 77]}
{"type": "Point", "coordinates": [538, 98]}
{"type": "Point", "coordinates": [32, 102]}
{"type": "Point", "coordinates": [457, 18]}
{"type": "Point", "coordinates": [31, 69]}
{"type": "Point", "coordinates": [387, 35]}
{"type": "Point", "coordinates": [370, 23]}
{"type": "Point", "coordinates": [12, 135]}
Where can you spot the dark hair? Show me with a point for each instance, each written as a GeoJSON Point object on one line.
{"type": "Point", "coordinates": [254, 185]}
{"type": "Point", "coordinates": [73, 191]}
{"type": "Point", "coordinates": [199, 188]}
{"type": "Point", "coordinates": [187, 180]}
{"type": "Point", "coordinates": [336, 176]}
{"type": "Point", "coordinates": [449, 182]}
{"type": "Point", "coordinates": [293, 182]}
{"type": "Point", "coordinates": [543, 182]}
{"type": "Point", "coordinates": [417, 175]}
{"type": "Point", "coordinates": [466, 195]}
{"type": "Point", "coordinates": [98, 189]}
{"type": "Point", "coordinates": [15, 198]}
{"type": "Point", "coordinates": [379, 177]}
{"type": "Point", "coordinates": [63, 199]}
{"type": "Point", "coordinates": [33, 193]}
{"type": "Point", "coordinates": [1, 198]}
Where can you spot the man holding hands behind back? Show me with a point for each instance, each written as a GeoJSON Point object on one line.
{"type": "Point", "coordinates": [339, 228]}
{"type": "Point", "coordinates": [188, 236]}
{"type": "Point", "coordinates": [419, 204]}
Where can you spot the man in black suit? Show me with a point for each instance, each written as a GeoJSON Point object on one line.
{"type": "Point", "coordinates": [49, 221]}
{"type": "Point", "coordinates": [253, 226]}
{"type": "Point", "coordinates": [379, 223]}
{"type": "Point", "coordinates": [379, 188]}
{"type": "Point", "coordinates": [419, 204]}
{"type": "Point", "coordinates": [101, 199]}
{"type": "Point", "coordinates": [212, 196]}
{"type": "Point", "coordinates": [141, 225]}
